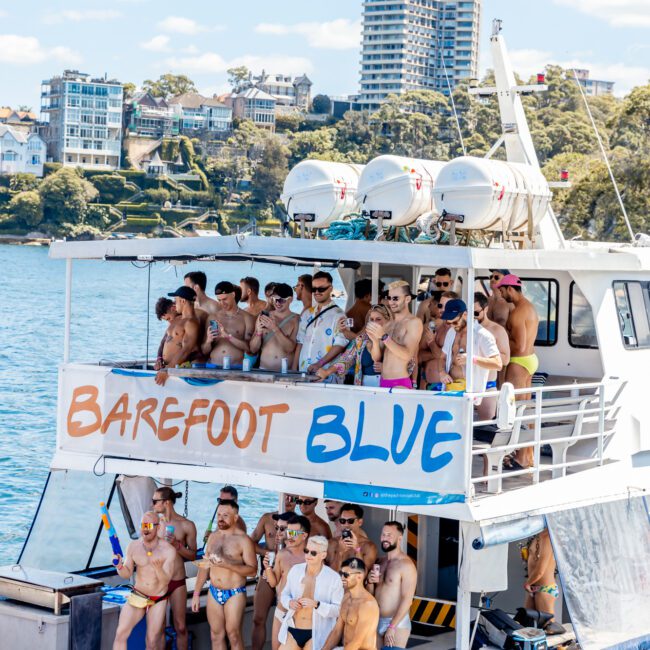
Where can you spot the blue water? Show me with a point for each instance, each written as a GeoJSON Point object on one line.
{"type": "Point", "coordinates": [109, 321]}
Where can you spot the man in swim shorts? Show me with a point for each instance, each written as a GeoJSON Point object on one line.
{"type": "Point", "coordinates": [522, 332]}
{"type": "Point", "coordinates": [183, 539]}
{"type": "Point", "coordinates": [541, 587]}
{"type": "Point", "coordinates": [152, 561]}
{"type": "Point", "coordinates": [356, 625]}
{"type": "Point", "coordinates": [232, 559]}
{"type": "Point", "coordinates": [393, 581]}
{"type": "Point", "coordinates": [396, 345]}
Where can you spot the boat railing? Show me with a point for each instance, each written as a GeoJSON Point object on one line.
{"type": "Point", "coordinates": [577, 417]}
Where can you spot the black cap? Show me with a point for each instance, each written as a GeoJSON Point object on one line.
{"type": "Point", "coordinates": [282, 290]}
{"type": "Point", "coordinates": [501, 271]}
{"type": "Point", "coordinates": [224, 287]}
{"type": "Point", "coordinates": [285, 516]}
{"type": "Point", "coordinates": [184, 292]}
{"type": "Point", "coordinates": [453, 309]}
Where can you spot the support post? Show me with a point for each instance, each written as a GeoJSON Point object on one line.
{"type": "Point", "coordinates": [375, 283]}
{"type": "Point", "coordinates": [68, 310]}
{"type": "Point", "coordinates": [464, 596]}
{"type": "Point", "coordinates": [469, 366]}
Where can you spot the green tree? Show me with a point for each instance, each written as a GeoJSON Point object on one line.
{"type": "Point", "coordinates": [318, 144]}
{"type": "Point", "coordinates": [169, 85]}
{"type": "Point", "coordinates": [269, 174]}
{"type": "Point", "coordinates": [321, 104]}
{"type": "Point", "coordinates": [66, 196]}
{"type": "Point", "coordinates": [97, 216]}
{"type": "Point", "coordinates": [22, 182]}
{"type": "Point", "coordinates": [27, 208]}
{"type": "Point", "coordinates": [237, 77]}
{"type": "Point", "coordinates": [111, 187]}
{"type": "Point", "coordinates": [128, 89]}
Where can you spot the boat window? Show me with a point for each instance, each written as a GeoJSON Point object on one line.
{"type": "Point", "coordinates": [582, 328]}
{"type": "Point", "coordinates": [633, 307]}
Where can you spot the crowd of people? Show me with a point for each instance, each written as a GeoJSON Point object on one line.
{"type": "Point", "coordinates": [329, 585]}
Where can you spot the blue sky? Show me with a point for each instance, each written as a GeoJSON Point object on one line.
{"type": "Point", "coordinates": [132, 40]}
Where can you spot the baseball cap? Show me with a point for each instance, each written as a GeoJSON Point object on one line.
{"type": "Point", "coordinates": [501, 271]}
{"type": "Point", "coordinates": [184, 292]}
{"type": "Point", "coordinates": [224, 287]}
{"type": "Point", "coordinates": [453, 309]}
{"type": "Point", "coordinates": [282, 290]}
{"type": "Point", "coordinates": [509, 280]}
{"type": "Point", "coordinates": [285, 516]}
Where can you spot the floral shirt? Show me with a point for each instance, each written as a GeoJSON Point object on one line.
{"type": "Point", "coordinates": [318, 336]}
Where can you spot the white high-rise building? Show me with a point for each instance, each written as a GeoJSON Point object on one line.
{"type": "Point", "coordinates": [417, 44]}
{"type": "Point", "coordinates": [84, 117]}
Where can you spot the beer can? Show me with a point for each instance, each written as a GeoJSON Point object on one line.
{"type": "Point", "coordinates": [285, 365]}
{"type": "Point", "coordinates": [246, 364]}
{"type": "Point", "coordinates": [226, 363]}
{"type": "Point", "coordinates": [432, 325]}
{"type": "Point", "coordinates": [271, 556]}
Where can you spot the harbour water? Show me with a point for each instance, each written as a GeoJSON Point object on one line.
{"type": "Point", "coordinates": [109, 321]}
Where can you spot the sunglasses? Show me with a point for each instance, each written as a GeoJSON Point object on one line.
{"type": "Point", "coordinates": [477, 313]}
{"type": "Point", "coordinates": [442, 284]}
{"type": "Point", "coordinates": [281, 528]}
{"type": "Point", "coordinates": [278, 299]}
{"type": "Point", "coordinates": [312, 553]}
{"type": "Point", "coordinates": [495, 277]}
{"type": "Point", "coordinates": [292, 534]}
{"type": "Point", "coordinates": [147, 525]}
{"type": "Point", "coordinates": [394, 298]}
{"type": "Point", "coordinates": [305, 502]}
{"type": "Point", "coordinates": [155, 501]}
{"type": "Point", "coordinates": [350, 520]}
{"type": "Point", "coordinates": [440, 305]}
{"type": "Point", "coordinates": [321, 289]}
{"type": "Point", "coordinates": [346, 575]}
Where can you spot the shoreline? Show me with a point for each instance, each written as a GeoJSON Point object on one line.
{"type": "Point", "coordinates": [24, 240]}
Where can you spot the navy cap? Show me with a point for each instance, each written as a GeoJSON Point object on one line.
{"type": "Point", "coordinates": [453, 309]}
{"type": "Point", "coordinates": [224, 287]}
{"type": "Point", "coordinates": [289, 517]}
{"type": "Point", "coordinates": [500, 271]}
{"type": "Point", "coordinates": [184, 292]}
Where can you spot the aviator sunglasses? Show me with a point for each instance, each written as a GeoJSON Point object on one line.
{"type": "Point", "coordinates": [442, 284]}
{"type": "Point", "coordinates": [311, 552]}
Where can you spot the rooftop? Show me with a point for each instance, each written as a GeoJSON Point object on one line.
{"type": "Point", "coordinates": [194, 100]}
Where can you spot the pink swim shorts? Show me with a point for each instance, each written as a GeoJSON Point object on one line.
{"type": "Point", "coordinates": [402, 382]}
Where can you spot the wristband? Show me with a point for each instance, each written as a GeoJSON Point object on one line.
{"type": "Point", "coordinates": [384, 338]}
{"type": "Point", "coordinates": [391, 626]}
{"type": "Point", "coordinates": [357, 549]}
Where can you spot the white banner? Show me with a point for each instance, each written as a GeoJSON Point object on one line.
{"type": "Point", "coordinates": [409, 446]}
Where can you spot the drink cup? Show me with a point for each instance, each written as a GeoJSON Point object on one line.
{"type": "Point", "coordinates": [285, 365]}
{"type": "Point", "coordinates": [169, 533]}
{"type": "Point", "coordinates": [432, 325]}
{"type": "Point", "coordinates": [349, 323]}
{"type": "Point", "coordinates": [246, 365]}
{"type": "Point", "coordinates": [226, 363]}
{"type": "Point", "coordinates": [271, 556]}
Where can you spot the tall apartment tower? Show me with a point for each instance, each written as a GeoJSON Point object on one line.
{"type": "Point", "coordinates": [411, 44]}
{"type": "Point", "coordinates": [84, 117]}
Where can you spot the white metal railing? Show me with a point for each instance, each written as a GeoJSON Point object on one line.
{"type": "Point", "coordinates": [583, 413]}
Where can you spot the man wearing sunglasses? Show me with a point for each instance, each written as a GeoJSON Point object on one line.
{"type": "Point", "coordinates": [232, 558]}
{"type": "Point", "coordinates": [357, 623]}
{"type": "Point", "coordinates": [273, 527]}
{"type": "Point", "coordinates": [296, 535]}
{"type": "Point", "coordinates": [276, 331]}
{"type": "Point", "coordinates": [320, 339]}
{"type": "Point", "coordinates": [353, 541]}
{"type": "Point", "coordinates": [312, 597]}
{"type": "Point", "coordinates": [152, 561]}
{"type": "Point", "coordinates": [441, 281]}
{"type": "Point", "coordinates": [454, 358]}
{"type": "Point", "coordinates": [498, 307]}
{"type": "Point", "coordinates": [396, 344]}
{"type": "Point", "coordinates": [307, 507]}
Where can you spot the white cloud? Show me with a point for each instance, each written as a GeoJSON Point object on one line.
{"type": "Point", "coordinates": [618, 13]}
{"type": "Point", "coordinates": [190, 49]}
{"type": "Point", "coordinates": [213, 63]}
{"type": "Point", "coordinates": [79, 16]}
{"type": "Point", "coordinates": [27, 50]}
{"type": "Point", "coordinates": [158, 43]}
{"type": "Point", "coordinates": [339, 34]}
{"type": "Point", "coordinates": [181, 25]}
{"type": "Point", "coordinates": [530, 61]}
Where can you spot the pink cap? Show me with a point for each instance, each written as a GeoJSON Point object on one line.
{"type": "Point", "coordinates": [509, 280]}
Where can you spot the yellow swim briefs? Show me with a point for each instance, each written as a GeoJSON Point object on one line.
{"type": "Point", "coordinates": [530, 363]}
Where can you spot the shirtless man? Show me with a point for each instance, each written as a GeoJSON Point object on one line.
{"type": "Point", "coordinates": [361, 306]}
{"type": "Point", "coordinates": [297, 533]}
{"type": "Point", "coordinates": [313, 592]}
{"type": "Point", "coordinates": [206, 308]}
{"type": "Point", "coordinates": [441, 281]}
{"type": "Point", "coordinates": [183, 539]}
{"type": "Point", "coordinates": [359, 617]}
{"type": "Point", "coordinates": [498, 308]}
{"type": "Point", "coordinates": [522, 332]}
{"type": "Point", "coordinates": [232, 559]}
{"type": "Point", "coordinates": [435, 340]}
{"type": "Point", "coordinates": [303, 291]}
{"type": "Point", "coordinates": [152, 559]}
{"type": "Point", "coordinates": [250, 289]}
{"type": "Point", "coordinates": [165, 310]}
{"type": "Point", "coordinates": [184, 345]}
{"type": "Point", "coordinates": [541, 587]}
{"type": "Point", "coordinates": [275, 331]}
{"type": "Point", "coordinates": [307, 507]}
{"type": "Point", "coordinates": [227, 493]}
{"type": "Point", "coordinates": [333, 512]}
{"type": "Point", "coordinates": [393, 583]}
{"type": "Point", "coordinates": [353, 541]}
{"type": "Point", "coordinates": [488, 407]}
{"type": "Point", "coordinates": [272, 526]}
{"type": "Point", "coordinates": [233, 331]}
{"type": "Point", "coordinates": [396, 346]}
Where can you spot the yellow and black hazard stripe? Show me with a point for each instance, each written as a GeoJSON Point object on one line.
{"type": "Point", "coordinates": [412, 537]}
{"type": "Point", "coordinates": [429, 611]}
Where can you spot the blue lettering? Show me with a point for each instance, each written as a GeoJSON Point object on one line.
{"type": "Point", "coordinates": [432, 437]}
{"type": "Point", "coordinates": [319, 453]}
{"type": "Point", "coordinates": [366, 452]}
{"type": "Point", "coordinates": [398, 423]}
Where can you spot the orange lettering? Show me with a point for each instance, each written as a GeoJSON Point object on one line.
{"type": "Point", "coordinates": [119, 413]}
{"type": "Point", "coordinates": [270, 411]}
{"type": "Point", "coordinates": [167, 433]}
{"type": "Point", "coordinates": [192, 419]}
{"type": "Point", "coordinates": [143, 410]}
{"type": "Point", "coordinates": [252, 425]}
{"type": "Point", "coordinates": [75, 427]}
{"type": "Point", "coordinates": [225, 427]}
